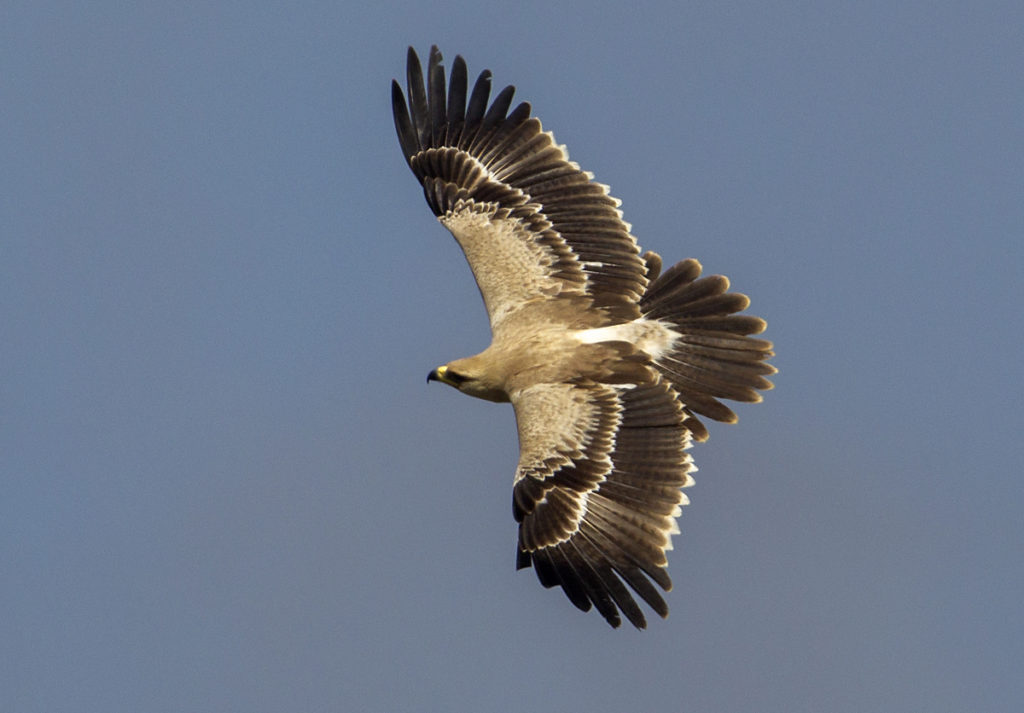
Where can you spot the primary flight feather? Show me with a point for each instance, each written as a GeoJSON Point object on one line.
{"type": "Point", "coordinates": [607, 361]}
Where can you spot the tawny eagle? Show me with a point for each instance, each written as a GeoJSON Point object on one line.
{"type": "Point", "coordinates": [607, 361]}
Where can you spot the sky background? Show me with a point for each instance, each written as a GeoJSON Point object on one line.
{"type": "Point", "coordinates": [226, 486]}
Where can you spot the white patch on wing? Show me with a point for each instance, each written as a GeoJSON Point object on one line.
{"type": "Point", "coordinates": [582, 503]}
{"type": "Point", "coordinates": [650, 336]}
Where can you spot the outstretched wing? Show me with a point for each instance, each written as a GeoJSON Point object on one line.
{"type": "Point", "coordinates": [529, 221]}
{"type": "Point", "coordinates": [597, 490]}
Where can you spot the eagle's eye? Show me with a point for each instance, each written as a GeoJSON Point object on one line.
{"type": "Point", "coordinates": [455, 378]}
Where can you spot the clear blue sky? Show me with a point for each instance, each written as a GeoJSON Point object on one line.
{"type": "Point", "coordinates": [226, 486]}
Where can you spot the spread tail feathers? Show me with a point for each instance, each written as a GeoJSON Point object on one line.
{"type": "Point", "coordinates": [714, 357]}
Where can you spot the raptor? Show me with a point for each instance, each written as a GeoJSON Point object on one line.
{"type": "Point", "coordinates": [609, 363]}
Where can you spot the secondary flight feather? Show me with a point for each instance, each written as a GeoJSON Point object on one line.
{"type": "Point", "coordinates": [608, 362]}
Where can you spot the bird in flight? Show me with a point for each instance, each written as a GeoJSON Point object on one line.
{"type": "Point", "coordinates": [608, 361]}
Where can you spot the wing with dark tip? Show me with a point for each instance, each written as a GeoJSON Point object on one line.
{"type": "Point", "coordinates": [597, 490]}
{"type": "Point", "coordinates": [531, 223]}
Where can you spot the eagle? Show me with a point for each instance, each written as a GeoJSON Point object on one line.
{"type": "Point", "coordinates": [608, 362]}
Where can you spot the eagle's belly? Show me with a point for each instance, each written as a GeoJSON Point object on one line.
{"type": "Point", "coordinates": [557, 355]}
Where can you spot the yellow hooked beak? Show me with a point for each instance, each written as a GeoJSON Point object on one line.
{"type": "Point", "coordinates": [447, 376]}
{"type": "Point", "coordinates": [439, 374]}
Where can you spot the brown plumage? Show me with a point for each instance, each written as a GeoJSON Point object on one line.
{"type": "Point", "coordinates": [607, 362]}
